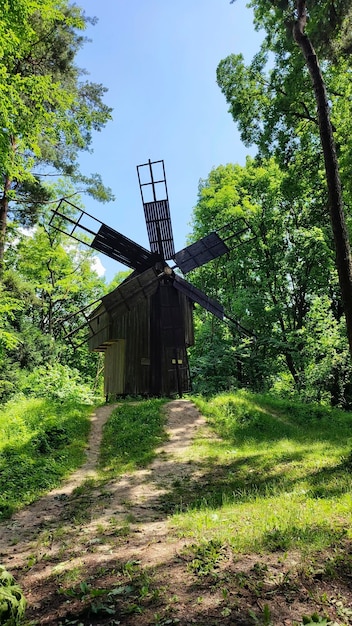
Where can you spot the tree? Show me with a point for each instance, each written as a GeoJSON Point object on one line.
{"type": "Point", "coordinates": [48, 278]}
{"type": "Point", "coordinates": [47, 114]}
{"type": "Point", "coordinates": [278, 112]}
{"type": "Point", "coordinates": [271, 285]}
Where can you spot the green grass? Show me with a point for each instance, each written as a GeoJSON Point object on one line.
{"type": "Point", "coordinates": [41, 442]}
{"type": "Point", "coordinates": [131, 436]}
{"type": "Point", "coordinates": [279, 475]}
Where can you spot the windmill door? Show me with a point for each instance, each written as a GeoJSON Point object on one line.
{"type": "Point", "coordinates": [178, 378]}
{"type": "Point", "coordinates": [169, 371]}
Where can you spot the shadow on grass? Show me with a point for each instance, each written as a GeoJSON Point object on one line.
{"type": "Point", "coordinates": [55, 448]}
{"type": "Point", "coordinates": [319, 534]}
{"type": "Point", "coordinates": [131, 436]}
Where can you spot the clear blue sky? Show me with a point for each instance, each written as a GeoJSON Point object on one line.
{"type": "Point", "coordinates": [158, 59]}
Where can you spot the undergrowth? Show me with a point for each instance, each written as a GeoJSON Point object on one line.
{"type": "Point", "coordinates": [41, 441]}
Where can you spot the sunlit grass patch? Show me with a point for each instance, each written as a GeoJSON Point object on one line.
{"type": "Point", "coordinates": [41, 441]}
{"type": "Point", "coordinates": [276, 476]}
{"type": "Point", "coordinates": [269, 524]}
{"type": "Point", "coordinates": [131, 436]}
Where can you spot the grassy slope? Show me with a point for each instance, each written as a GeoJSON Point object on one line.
{"type": "Point", "coordinates": [279, 475]}
{"type": "Point", "coordinates": [41, 442]}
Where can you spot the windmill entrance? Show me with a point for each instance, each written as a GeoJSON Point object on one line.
{"type": "Point", "coordinates": [145, 325]}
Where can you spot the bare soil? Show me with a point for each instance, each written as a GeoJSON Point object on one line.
{"type": "Point", "coordinates": [106, 553]}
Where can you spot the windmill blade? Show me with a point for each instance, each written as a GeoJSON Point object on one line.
{"type": "Point", "coordinates": [238, 232]}
{"type": "Point", "coordinates": [80, 225]}
{"type": "Point", "coordinates": [78, 327]}
{"type": "Point", "coordinates": [241, 329]}
{"type": "Point", "coordinates": [212, 246]}
{"type": "Point", "coordinates": [199, 253]}
{"type": "Point", "coordinates": [130, 293]}
{"type": "Point", "coordinates": [209, 304]}
{"type": "Point", "coordinates": [152, 184]}
{"type": "Point", "coordinates": [122, 249]}
{"type": "Point", "coordinates": [196, 295]}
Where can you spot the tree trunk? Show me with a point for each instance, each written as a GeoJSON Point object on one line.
{"type": "Point", "coordinates": [337, 217]}
{"type": "Point", "coordinates": [4, 208]}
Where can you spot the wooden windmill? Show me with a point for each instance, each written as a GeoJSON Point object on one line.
{"type": "Point", "coordinates": [145, 325]}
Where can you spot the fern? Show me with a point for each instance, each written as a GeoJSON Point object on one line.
{"type": "Point", "coordinates": [12, 601]}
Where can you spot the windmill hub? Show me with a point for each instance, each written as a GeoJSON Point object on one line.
{"type": "Point", "coordinates": [168, 271]}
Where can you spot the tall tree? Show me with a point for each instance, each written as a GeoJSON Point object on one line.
{"type": "Point", "coordinates": [47, 113]}
{"type": "Point", "coordinates": [278, 110]}
{"type": "Point", "coordinates": [48, 279]}
{"type": "Point", "coordinates": [273, 285]}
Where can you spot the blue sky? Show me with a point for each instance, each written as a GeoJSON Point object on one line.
{"type": "Point", "coordinates": [158, 59]}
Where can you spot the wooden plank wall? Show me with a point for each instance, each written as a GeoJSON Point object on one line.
{"type": "Point", "coordinates": [134, 328]}
{"type": "Point", "coordinates": [131, 347]}
{"type": "Point", "coordinates": [114, 368]}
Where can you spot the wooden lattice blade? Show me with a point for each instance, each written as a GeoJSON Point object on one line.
{"type": "Point", "coordinates": [158, 222]}
{"type": "Point", "coordinates": [201, 252]}
{"type": "Point", "coordinates": [152, 183]}
{"type": "Point", "coordinates": [83, 227]}
{"type": "Point", "coordinates": [118, 247]}
{"type": "Point", "coordinates": [196, 295]}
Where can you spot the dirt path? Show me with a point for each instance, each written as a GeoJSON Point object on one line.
{"type": "Point", "coordinates": [70, 526]}
{"type": "Point", "coordinates": [25, 524]}
{"type": "Point", "coordinates": [96, 553]}
{"type": "Point", "coordinates": [134, 495]}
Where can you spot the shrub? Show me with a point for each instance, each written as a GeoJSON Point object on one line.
{"type": "Point", "coordinates": [12, 601]}
{"type": "Point", "coordinates": [58, 382]}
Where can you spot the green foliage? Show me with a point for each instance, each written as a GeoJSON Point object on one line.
{"type": "Point", "coordinates": [57, 382]}
{"type": "Point", "coordinates": [131, 435]}
{"type": "Point", "coordinates": [47, 111]}
{"type": "Point", "coordinates": [205, 557]}
{"type": "Point", "coordinates": [47, 282]}
{"type": "Point", "coordinates": [272, 101]}
{"type": "Point", "coordinates": [316, 619]}
{"type": "Point", "coordinates": [41, 442]}
{"type": "Point", "coordinates": [12, 601]}
{"type": "Point", "coordinates": [275, 284]}
{"type": "Point", "coordinates": [213, 357]}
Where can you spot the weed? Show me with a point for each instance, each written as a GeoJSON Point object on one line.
{"type": "Point", "coordinates": [264, 619]}
{"type": "Point", "coordinates": [12, 601]}
{"type": "Point", "coordinates": [206, 557]}
{"type": "Point", "coordinates": [315, 619]}
{"type": "Point", "coordinates": [130, 568]}
{"type": "Point", "coordinates": [164, 621]}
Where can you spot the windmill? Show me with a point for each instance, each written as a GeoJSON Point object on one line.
{"type": "Point", "coordinates": [145, 325]}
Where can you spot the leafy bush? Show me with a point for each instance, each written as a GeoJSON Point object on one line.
{"type": "Point", "coordinates": [58, 382]}
{"type": "Point", "coordinates": [12, 601]}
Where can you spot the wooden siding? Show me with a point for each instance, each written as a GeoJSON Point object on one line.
{"type": "Point", "coordinates": [100, 329]}
{"type": "Point", "coordinates": [187, 311]}
{"type": "Point", "coordinates": [114, 368]}
{"type": "Point", "coordinates": [137, 373]}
